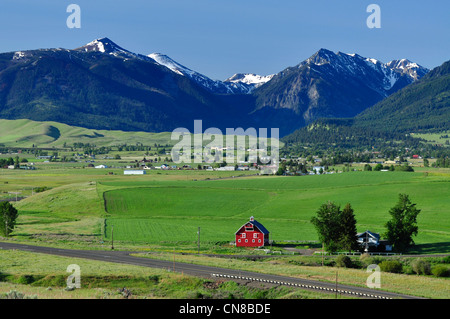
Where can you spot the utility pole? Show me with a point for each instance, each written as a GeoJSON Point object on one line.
{"type": "Point", "coordinates": [322, 254]}
{"type": "Point", "coordinates": [198, 241]}
{"type": "Point", "coordinates": [16, 193]}
{"type": "Point", "coordinates": [336, 283]}
{"type": "Point", "coordinates": [112, 237]}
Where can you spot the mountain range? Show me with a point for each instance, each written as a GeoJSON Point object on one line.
{"type": "Point", "coordinates": [101, 85]}
{"type": "Point", "coordinates": [423, 106]}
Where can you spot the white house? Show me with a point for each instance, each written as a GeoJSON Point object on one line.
{"type": "Point", "coordinates": [226, 168]}
{"type": "Point", "coordinates": [317, 169]}
{"type": "Point", "coordinates": [368, 239]}
{"type": "Point", "coordinates": [134, 172]}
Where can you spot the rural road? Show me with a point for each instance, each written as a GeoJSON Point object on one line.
{"type": "Point", "coordinates": [124, 257]}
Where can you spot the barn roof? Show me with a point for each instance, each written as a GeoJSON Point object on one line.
{"type": "Point", "coordinates": [257, 224]}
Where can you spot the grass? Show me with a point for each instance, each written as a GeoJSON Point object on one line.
{"type": "Point", "coordinates": [434, 138]}
{"type": "Point", "coordinates": [26, 133]}
{"type": "Point", "coordinates": [171, 205]}
{"type": "Point", "coordinates": [162, 211]}
{"type": "Point", "coordinates": [173, 210]}
{"type": "Point", "coordinates": [45, 277]}
{"type": "Point", "coordinates": [307, 267]}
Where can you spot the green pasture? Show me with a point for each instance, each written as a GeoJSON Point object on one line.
{"type": "Point", "coordinates": [169, 206]}
{"type": "Point", "coordinates": [155, 211]}
{"type": "Point", "coordinates": [26, 133]}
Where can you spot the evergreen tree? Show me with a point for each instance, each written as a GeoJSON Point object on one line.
{"type": "Point", "coordinates": [327, 223]}
{"type": "Point", "coordinates": [403, 224]}
{"type": "Point", "coordinates": [8, 216]}
{"type": "Point", "coordinates": [336, 228]}
{"type": "Point", "coordinates": [348, 239]}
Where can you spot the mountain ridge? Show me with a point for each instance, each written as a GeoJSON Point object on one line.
{"type": "Point", "coordinates": [102, 84]}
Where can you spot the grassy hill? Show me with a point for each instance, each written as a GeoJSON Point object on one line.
{"type": "Point", "coordinates": [26, 133]}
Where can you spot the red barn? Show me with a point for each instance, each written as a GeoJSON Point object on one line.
{"type": "Point", "coordinates": [252, 234]}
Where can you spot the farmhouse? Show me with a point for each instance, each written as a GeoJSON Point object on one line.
{"type": "Point", "coordinates": [252, 234]}
{"type": "Point", "coordinates": [370, 241]}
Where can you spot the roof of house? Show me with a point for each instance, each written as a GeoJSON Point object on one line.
{"type": "Point", "coordinates": [374, 235]}
{"type": "Point", "coordinates": [257, 224]}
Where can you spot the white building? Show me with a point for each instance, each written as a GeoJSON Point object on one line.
{"type": "Point", "coordinates": [226, 168]}
{"type": "Point", "coordinates": [316, 169]}
{"type": "Point", "coordinates": [134, 172]}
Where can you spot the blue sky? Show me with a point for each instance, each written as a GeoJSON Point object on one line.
{"type": "Point", "coordinates": [220, 38]}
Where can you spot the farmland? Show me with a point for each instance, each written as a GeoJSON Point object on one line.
{"type": "Point", "coordinates": [160, 213]}
{"type": "Point", "coordinates": [169, 207]}
{"type": "Point", "coordinates": [165, 211]}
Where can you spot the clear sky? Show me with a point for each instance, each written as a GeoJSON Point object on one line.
{"type": "Point", "coordinates": [222, 37]}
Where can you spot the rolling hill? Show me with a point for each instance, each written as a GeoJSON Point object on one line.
{"type": "Point", "coordinates": [26, 134]}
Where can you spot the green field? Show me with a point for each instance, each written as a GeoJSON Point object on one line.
{"type": "Point", "coordinates": [26, 133]}
{"type": "Point", "coordinates": [161, 211]}
{"type": "Point", "coordinates": [168, 207]}
{"type": "Point", "coordinates": [155, 211]}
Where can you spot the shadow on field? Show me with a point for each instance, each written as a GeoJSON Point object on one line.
{"type": "Point", "coordinates": [432, 248]}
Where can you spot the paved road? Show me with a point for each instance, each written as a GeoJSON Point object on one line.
{"type": "Point", "coordinates": [124, 257]}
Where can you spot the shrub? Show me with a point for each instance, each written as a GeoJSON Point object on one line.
{"type": "Point", "coordinates": [421, 267]}
{"type": "Point", "coordinates": [25, 279]}
{"type": "Point", "coordinates": [367, 260]}
{"type": "Point", "coordinates": [446, 260]}
{"type": "Point", "coordinates": [393, 266]}
{"type": "Point", "coordinates": [343, 261]}
{"type": "Point", "coordinates": [13, 294]}
{"type": "Point", "coordinates": [440, 271]}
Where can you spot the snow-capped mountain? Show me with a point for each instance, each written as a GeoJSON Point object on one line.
{"type": "Point", "coordinates": [250, 80]}
{"type": "Point", "coordinates": [105, 45]}
{"type": "Point", "coordinates": [384, 75]}
{"type": "Point", "coordinates": [332, 84]}
{"type": "Point", "coordinates": [404, 66]}
{"type": "Point", "coordinates": [105, 86]}
{"type": "Point", "coordinates": [237, 84]}
{"type": "Point", "coordinates": [242, 85]}
{"type": "Point", "coordinates": [212, 85]}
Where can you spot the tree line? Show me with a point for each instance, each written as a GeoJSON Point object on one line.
{"type": "Point", "coordinates": [336, 228]}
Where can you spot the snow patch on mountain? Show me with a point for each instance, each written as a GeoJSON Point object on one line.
{"type": "Point", "coordinates": [244, 83]}
{"type": "Point", "coordinates": [238, 83]}
{"type": "Point", "coordinates": [250, 78]}
{"type": "Point", "coordinates": [388, 73]}
{"type": "Point", "coordinates": [171, 64]}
